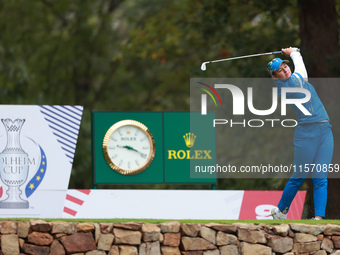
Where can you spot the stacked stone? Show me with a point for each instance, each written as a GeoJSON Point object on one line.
{"type": "Point", "coordinates": [39, 237]}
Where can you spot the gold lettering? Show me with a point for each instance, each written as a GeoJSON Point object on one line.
{"type": "Point", "coordinates": [172, 153]}
{"type": "Point", "coordinates": [207, 154]}
{"type": "Point", "coordinates": [198, 154]}
{"type": "Point", "coordinates": [179, 154]}
{"type": "Point", "coordinates": [188, 155]}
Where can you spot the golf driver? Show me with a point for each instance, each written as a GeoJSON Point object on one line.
{"type": "Point", "coordinates": [204, 67]}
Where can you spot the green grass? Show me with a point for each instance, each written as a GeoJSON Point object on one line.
{"type": "Point", "coordinates": [157, 221]}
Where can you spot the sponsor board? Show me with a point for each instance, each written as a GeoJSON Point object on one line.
{"type": "Point", "coordinates": [37, 146]}
{"type": "Point", "coordinates": [176, 204]}
{"type": "Point", "coordinates": [180, 138]}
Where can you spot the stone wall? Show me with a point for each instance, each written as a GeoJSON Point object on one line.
{"type": "Point", "coordinates": [169, 238]}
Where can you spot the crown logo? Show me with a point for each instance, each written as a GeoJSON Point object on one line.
{"type": "Point", "coordinates": [189, 139]}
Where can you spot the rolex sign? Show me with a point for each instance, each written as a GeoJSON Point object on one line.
{"type": "Point", "coordinates": [188, 141]}
{"type": "Point", "coordinates": [182, 141]}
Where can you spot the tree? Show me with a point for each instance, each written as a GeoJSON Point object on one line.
{"type": "Point", "coordinates": [318, 21]}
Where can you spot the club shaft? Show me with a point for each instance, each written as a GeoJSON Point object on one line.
{"type": "Point", "coordinates": [203, 66]}
{"type": "Point", "coordinates": [247, 56]}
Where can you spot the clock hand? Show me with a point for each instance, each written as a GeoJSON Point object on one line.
{"type": "Point", "coordinates": [130, 148]}
{"type": "Point", "coordinates": [127, 147]}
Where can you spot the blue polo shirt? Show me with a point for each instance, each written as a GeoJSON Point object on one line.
{"type": "Point", "coordinates": [314, 105]}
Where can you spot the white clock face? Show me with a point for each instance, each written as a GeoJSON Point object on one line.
{"type": "Point", "coordinates": [129, 148]}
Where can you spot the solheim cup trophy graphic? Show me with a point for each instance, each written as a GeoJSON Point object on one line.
{"type": "Point", "coordinates": [14, 165]}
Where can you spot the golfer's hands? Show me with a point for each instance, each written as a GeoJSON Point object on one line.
{"type": "Point", "coordinates": [288, 51]}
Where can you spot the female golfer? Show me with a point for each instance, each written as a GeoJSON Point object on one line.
{"type": "Point", "coordinates": [313, 138]}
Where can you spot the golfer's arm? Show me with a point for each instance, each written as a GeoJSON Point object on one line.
{"type": "Point", "coordinates": [299, 65]}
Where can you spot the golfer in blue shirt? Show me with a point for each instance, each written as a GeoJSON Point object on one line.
{"type": "Point", "coordinates": [313, 138]}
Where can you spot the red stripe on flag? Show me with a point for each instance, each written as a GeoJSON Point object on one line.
{"type": "Point", "coordinates": [1, 191]}
{"type": "Point", "coordinates": [70, 211]}
{"type": "Point", "coordinates": [74, 199]}
{"type": "Point", "coordinates": [85, 191]}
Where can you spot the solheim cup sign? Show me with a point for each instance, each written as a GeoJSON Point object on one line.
{"type": "Point", "coordinates": [37, 145]}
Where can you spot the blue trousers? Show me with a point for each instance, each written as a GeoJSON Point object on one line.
{"type": "Point", "coordinates": [313, 152]}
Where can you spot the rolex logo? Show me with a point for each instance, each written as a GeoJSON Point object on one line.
{"type": "Point", "coordinates": [189, 139]}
